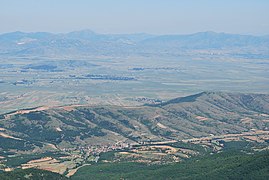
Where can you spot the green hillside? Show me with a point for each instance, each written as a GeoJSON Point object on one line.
{"type": "Point", "coordinates": [228, 165]}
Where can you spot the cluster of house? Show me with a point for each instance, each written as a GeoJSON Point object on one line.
{"type": "Point", "coordinates": [98, 149]}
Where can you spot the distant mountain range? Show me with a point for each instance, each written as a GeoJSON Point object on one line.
{"type": "Point", "coordinates": [87, 42]}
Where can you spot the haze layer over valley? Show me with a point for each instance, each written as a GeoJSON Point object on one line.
{"type": "Point", "coordinates": [83, 67]}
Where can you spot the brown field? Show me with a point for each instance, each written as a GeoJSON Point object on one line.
{"type": "Point", "coordinates": [8, 136]}
{"type": "Point", "coordinates": [73, 171]}
{"type": "Point", "coordinates": [71, 107]}
{"type": "Point", "coordinates": [125, 153]}
{"type": "Point", "coordinates": [161, 126]}
{"type": "Point", "coordinates": [201, 118]}
{"type": "Point", "coordinates": [252, 138]}
{"type": "Point", "coordinates": [48, 164]}
{"type": "Point", "coordinates": [40, 160]}
{"type": "Point", "coordinates": [42, 108]}
{"type": "Point", "coordinates": [8, 169]}
{"type": "Point", "coordinates": [51, 146]}
{"type": "Point", "coordinates": [246, 120]}
{"type": "Point", "coordinates": [168, 148]}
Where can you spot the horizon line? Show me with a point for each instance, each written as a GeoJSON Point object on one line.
{"type": "Point", "coordinates": [131, 33]}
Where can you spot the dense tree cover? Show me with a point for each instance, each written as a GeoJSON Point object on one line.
{"type": "Point", "coordinates": [30, 174]}
{"type": "Point", "coordinates": [8, 143]}
{"type": "Point", "coordinates": [226, 165]}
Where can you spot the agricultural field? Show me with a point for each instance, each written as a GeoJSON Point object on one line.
{"type": "Point", "coordinates": [31, 82]}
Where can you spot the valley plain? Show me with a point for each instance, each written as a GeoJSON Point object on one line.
{"type": "Point", "coordinates": [38, 69]}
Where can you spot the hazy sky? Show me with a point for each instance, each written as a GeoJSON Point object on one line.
{"type": "Point", "coordinates": [132, 16]}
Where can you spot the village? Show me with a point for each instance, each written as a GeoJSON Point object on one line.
{"type": "Point", "coordinates": [144, 152]}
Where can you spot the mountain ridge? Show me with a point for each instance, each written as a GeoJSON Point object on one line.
{"type": "Point", "coordinates": [87, 42]}
{"type": "Point", "coordinates": [207, 113]}
{"type": "Point", "coordinates": [91, 32]}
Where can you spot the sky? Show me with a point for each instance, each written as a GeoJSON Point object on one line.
{"type": "Point", "coordinates": [136, 16]}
